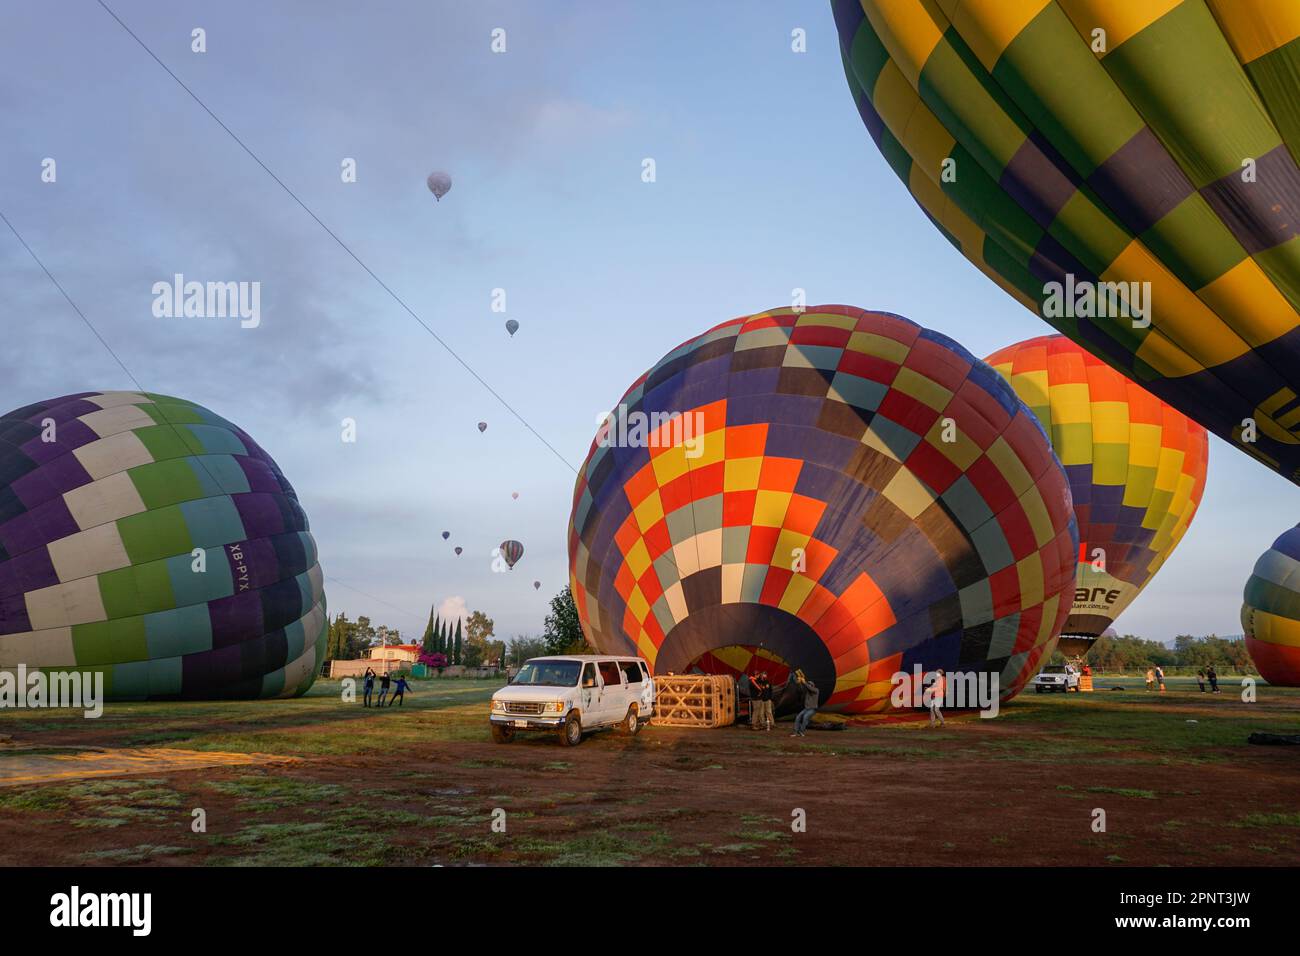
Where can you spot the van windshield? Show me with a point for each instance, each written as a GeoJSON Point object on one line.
{"type": "Point", "coordinates": [548, 674]}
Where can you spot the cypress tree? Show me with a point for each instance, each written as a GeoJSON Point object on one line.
{"type": "Point", "coordinates": [427, 645]}
{"type": "Point", "coordinates": [458, 642]}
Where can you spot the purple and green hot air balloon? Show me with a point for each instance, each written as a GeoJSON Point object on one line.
{"type": "Point", "coordinates": [148, 539]}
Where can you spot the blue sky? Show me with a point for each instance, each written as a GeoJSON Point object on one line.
{"type": "Point", "coordinates": [766, 181]}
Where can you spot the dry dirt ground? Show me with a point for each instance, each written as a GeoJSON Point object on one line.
{"type": "Point", "coordinates": [423, 785]}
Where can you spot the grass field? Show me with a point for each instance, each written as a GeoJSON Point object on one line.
{"type": "Point", "coordinates": [341, 785]}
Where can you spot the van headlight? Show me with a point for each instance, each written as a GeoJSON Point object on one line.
{"type": "Point", "coordinates": [553, 707]}
{"type": "Point", "coordinates": [498, 706]}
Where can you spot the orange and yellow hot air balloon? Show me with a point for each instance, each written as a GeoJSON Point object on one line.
{"type": "Point", "coordinates": [1136, 468]}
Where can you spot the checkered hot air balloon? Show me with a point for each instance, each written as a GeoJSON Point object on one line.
{"type": "Point", "coordinates": [1090, 156]}
{"type": "Point", "coordinates": [1270, 615]}
{"type": "Point", "coordinates": [849, 492]}
{"type": "Point", "coordinates": [149, 539]}
{"type": "Point", "coordinates": [1136, 467]}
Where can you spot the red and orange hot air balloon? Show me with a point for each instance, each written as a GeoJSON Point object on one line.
{"type": "Point", "coordinates": [1136, 468]}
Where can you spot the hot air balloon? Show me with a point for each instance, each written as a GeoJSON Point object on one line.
{"type": "Point", "coordinates": [537, 585]}
{"type": "Point", "coordinates": [446, 535]}
{"type": "Point", "coordinates": [512, 327]}
{"type": "Point", "coordinates": [482, 426]}
{"type": "Point", "coordinates": [1136, 469]}
{"type": "Point", "coordinates": [782, 481]}
{"type": "Point", "coordinates": [150, 540]}
{"type": "Point", "coordinates": [459, 550]}
{"type": "Point", "coordinates": [1139, 199]}
{"type": "Point", "coordinates": [512, 551]}
{"type": "Point", "coordinates": [514, 495]}
{"type": "Point", "coordinates": [439, 184]}
{"type": "Point", "coordinates": [1270, 614]}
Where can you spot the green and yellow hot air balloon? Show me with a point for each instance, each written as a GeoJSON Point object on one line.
{"type": "Point", "coordinates": [1136, 468]}
{"type": "Point", "coordinates": [1124, 168]}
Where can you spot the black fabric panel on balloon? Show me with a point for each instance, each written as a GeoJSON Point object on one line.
{"type": "Point", "coordinates": [767, 357]}
{"type": "Point", "coordinates": [281, 604]}
{"type": "Point", "coordinates": [811, 382]}
{"type": "Point", "coordinates": [940, 526]}
{"type": "Point", "coordinates": [290, 553]}
{"type": "Point", "coordinates": [253, 657]}
{"type": "Point", "coordinates": [596, 479]}
{"type": "Point", "coordinates": [945, 614]}
{"type": "Point", "coordinates": [14, 466]}
{"type": "Point", "coordinates": [702, 588]}
{"type": "Point", "coordinates": [975, 643]}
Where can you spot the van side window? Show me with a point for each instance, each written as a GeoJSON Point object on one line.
{"type": "Point", "coordinates": [609, 672]}
{"type": "Point", "coordinates": [589, 675]}
{"type": "Point", "coordinates": [644, 670]}
{"type": "Point", "coordinates": [633, 671]}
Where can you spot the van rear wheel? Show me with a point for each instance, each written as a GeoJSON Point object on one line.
{"type": "Point", "coordinates": [571, 732]}
{"type": "Point", "coordinates": [502, 734]}
{"type": "Point", "coordinates": [631, 723]}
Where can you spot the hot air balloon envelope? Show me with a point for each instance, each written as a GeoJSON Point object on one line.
{"type": "Point", "coordinates": [1142, 203]}
{"type": "Point", "coordinates": [512, 551]}
{"type": "Point", "coordinates": [1270, 614]}
{"type": "Point", "coordinates": [99, 530]}
{"type": "Point", "coordinates": [814, 509]}
{"type": "Point", "coordinates": [512, 326]}
{"type": "Point", "coordinates": [459, 550]}
{"type": "Point", "coordinates": [439, 184]}
{"type": "Point", "coordinates": [446, 535]}
{"type": "Point", "coordinates": [1136, 468]}
{"type": "Point", "coordinates": [482, 426]}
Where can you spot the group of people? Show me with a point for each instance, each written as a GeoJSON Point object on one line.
{"type": "Point", "coordinates": [1156, 678]}
{"type": "Point", "coordinates": [762, 712]}
{"type": "Point", "coordinates": [386, 683]}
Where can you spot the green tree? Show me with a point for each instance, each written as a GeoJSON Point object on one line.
{"type": "Point", "coordinates": [478, 628]}
{"type": "Point", "coordinates": [428, 643]}
{"type": "Point", "coordinates": [521, 648]}
{"type": "Point", "coordinates": [457, 647]}
{"type": "Point", "coordinates": [563, 631]}
{"type": "Point", "coordinates": [472, 655]}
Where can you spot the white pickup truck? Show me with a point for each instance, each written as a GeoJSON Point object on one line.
{"type": "Point", "coordinates": [1062, 677]}
{"type": "Point", "coordinates": [571, 694]}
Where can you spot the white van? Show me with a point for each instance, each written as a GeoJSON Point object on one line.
{"type": "Point", "coordinates": [574, 693]}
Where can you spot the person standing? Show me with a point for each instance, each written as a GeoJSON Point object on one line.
{"type": "Point", "coordinates": [384, 683]}
{"type": "Point", "coordinates": [369, 685]}
{"type": "Point", "coordinates": [1213, 676]}
{"type": "Point", "coordinates": [1200, 680]}
{"type": "Point", "coordinates": [399, 694]}
{"type": "Point", "coordinates": [811, 695]}
{"type": "Point", "coordinates": [755, 700]}
{"type": "Point", "coordinates": [938, 688]}
{"type": "Point", "coordinates": [769, 710]}
{"type": "Point", "coordinates": [1151, 678]}
{"type": "Point", "coordinates": [1160, 677]}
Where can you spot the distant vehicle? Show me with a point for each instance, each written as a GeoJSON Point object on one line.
{"type": "Point", "coordinates": [571, 694]}
{"type": "Point", "coordinates": [1062, 677]}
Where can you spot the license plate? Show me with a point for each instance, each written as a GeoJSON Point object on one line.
{"type": "Point", "coordinates": [521, 723]}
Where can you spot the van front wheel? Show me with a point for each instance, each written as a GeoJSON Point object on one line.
{"type": "Point", "coordinates": [571, 732]}
{"type": "Point", "coordinates": [631, 723]}
{"type": "Point", "coordinates": [501, 734]}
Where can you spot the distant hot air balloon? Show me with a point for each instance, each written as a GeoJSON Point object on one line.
{"type": "Point", "coordinates": [512, 326]}
{"type": "Point", "coordinates": [439, 184]}
{"type": "Point", "coordinates": [446, 535]}
{"type": "Point", "coordinates": [515, 495]}
{"type": "Point", "coordinates": [482, 426]}
{"type": "Point", "coordinates": [512, 551]}
{"type": "Point", "coordinates": [459, 550]}
{"type": "Point", "coordinates": [1136, 468]}
{"type": "Point", "coordinates": [1108, 191]}
{"type": "Point", "coordinates": [537, 585]}
{"type": "Point", "coordinates": [1270, 614]}
{"type": "Point", "coordinates": [816, 511]}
